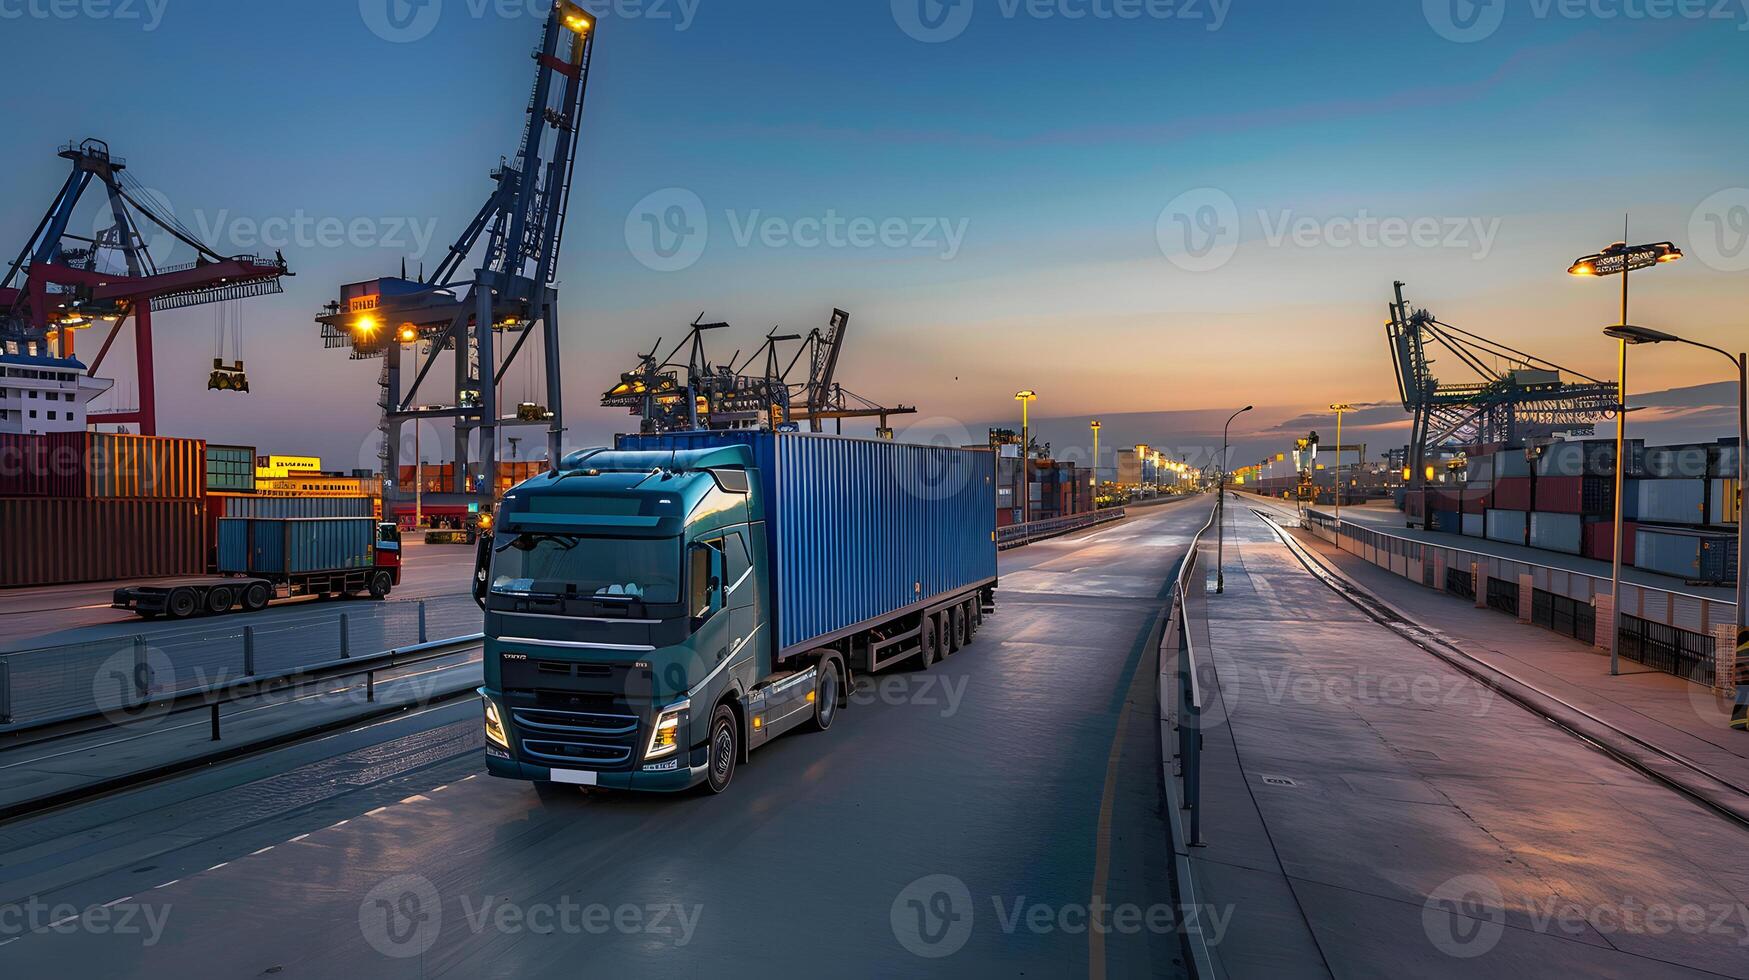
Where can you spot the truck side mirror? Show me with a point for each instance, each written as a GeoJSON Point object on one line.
{"type": "Point", "coordinates": [482, 568]}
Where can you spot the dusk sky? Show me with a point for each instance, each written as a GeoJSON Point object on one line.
{"type": "Point", "coordinates": [1180, 212]}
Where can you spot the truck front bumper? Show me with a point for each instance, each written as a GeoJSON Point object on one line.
{"type": "Point", "coordinates": [672, 781]}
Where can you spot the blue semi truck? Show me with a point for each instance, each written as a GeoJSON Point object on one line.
{"type": "Point", "coordinates": [656, 611]}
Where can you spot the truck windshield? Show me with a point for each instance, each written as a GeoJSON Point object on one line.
{"type": "Point", "coordinates": [568, 565]}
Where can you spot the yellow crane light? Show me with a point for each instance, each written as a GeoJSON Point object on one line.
{"type": "Point", "coordinates": [409, 333]}
{"type": "Point", "coordinates": [365, 324]}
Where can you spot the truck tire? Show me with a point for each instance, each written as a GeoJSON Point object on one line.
{"type": "Point", "coordinates": [828, 687]}
{"type": "Point", "coordinates": [219, 600]}
{"type": "Point", "coordinates": [181, 604]}
{"type": "Point", "coordinates": [725, 749]}
{"type": "Point", "coordinates": [257, 596]}
{"type": "Point", "coordinates": [380, 584]}
{"type": "Point", "coordinates": [955, 619]}
{"type": "Point", "coordinates": [928, 643]}
{"type": "Point", "coordinates": [971, 621]}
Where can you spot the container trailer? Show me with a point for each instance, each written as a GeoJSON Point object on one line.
{"type": "Point", "coordinates": [657, 611]}
{"type": "Point", "coordinates": [261, 559]}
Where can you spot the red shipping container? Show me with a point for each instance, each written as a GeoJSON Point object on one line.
{"type": "Point", "coordinates": [1600, 541]}
{"type": "Point", "coordinates": [1512, 493]}
{"type": "Point", "coordinates": [1478, 501]}
{"type": "Point", "coordinates": [1560, 494]}
{"type": "Point", "coordinates": [47, 541]}
{"type": "Point", "coordinates": [51, 465]}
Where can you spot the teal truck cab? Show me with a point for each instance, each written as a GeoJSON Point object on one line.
{"type": "Point", "coordinates": [655, 613]}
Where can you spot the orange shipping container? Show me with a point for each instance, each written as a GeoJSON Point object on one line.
{"type": "Point", "coordinates": [58, 541]}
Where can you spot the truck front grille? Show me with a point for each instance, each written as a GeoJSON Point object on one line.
{"type": "Point", "coordinates": [597, 740]}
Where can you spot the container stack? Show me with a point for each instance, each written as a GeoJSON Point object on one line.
{"type": "Point", "coordinates": [1687, 504]}
{"type": "Point", "coordinates": [88, 507]}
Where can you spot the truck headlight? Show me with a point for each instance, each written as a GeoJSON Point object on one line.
{"type": "Point", "coordinates": [670, 728]}
{"type": "Point", "coordinates": [495, 726]}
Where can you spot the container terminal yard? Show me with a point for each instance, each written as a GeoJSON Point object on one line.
{"type": "Point", "coordinates": [1027, 601]}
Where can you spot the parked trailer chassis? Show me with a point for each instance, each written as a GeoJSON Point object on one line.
{"type": "Point", "coordinates": [217, 595]}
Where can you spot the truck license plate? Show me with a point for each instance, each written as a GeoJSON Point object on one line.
{"type": "Point", "coordinates": [574, 777]}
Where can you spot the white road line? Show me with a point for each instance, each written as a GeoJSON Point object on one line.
{"type": "Point", "coordinates": [299, 837]}
{"type": "Point", "coordinates": [218, 866]}
{"type": "Point", "coordinates": [262, 851]}
{"type": "Point", "coordinates": [441, 788]}
{"type": "Point", "coordinates": [110, 905]}
{"type": "Point", "coordinates": [167, 884]}
{"type": "Point", "coordinates": [378, 810]}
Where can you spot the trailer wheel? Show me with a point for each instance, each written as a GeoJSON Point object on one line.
{"type": "Point", "coordinates": [257, 596]}
{"type": "Point", "coordinates": [219, 600]}
{"type": "Point", "coordinates": [956, 628]}
{"type": "Point", "coordinates": [380, 584]}
{"type": "Point", "coordinates": [973, 620]}
{"type": "Point", "coordinates": [725, 749]}
{"type": "Point", "coordinates": [181, 604]}
{"type": "Point", "coordinates": [827, 687]}
{"type": "Point", "coordinates": [928, 643]}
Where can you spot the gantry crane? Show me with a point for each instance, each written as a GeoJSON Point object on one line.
{"type": "Point", "coordinates": [63, 282]}
{"type": "Point", "coordinates": [670, 395]}
{"type": "Point", "coordinates": [1515, 396]}
{"type": "Point", "coordinates": [517, 234]}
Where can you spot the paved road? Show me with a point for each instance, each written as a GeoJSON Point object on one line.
{"type": "Point", "coordinates": [83, 652]}
{"type": "Point", "coordinates": [954, 822]}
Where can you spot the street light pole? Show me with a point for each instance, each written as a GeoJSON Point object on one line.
{"type": "Point", "coordinates": [1221, 509]}
{"type": "Point", "coordinates": [1095, 481]}
{"type": "Point", "coordinates": [1644, 335]}
{"type": "Point", "coordinates": [1339, 408]}
{"type": "Point", "coordinates": [1621, 259]}
{"type": "Point", "coordinates": [1025, 455]}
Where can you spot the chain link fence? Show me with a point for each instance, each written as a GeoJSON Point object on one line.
{"type": "Point", "coordinates": [118, 673]}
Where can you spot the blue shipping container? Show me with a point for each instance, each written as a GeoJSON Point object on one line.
{"type": "Point", "coordinates": [295, 546]}
{"type": "Point", "coordinates": [861, 529]}
{"type": "Point", "coordinates": [300, 507]}
{"type": "Point", "coordinates": [1448, 521]}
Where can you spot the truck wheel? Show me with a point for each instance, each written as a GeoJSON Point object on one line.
{"type": "Point", "coordinates": [826, 687]}
{"type": "Point", "coordinates": [380, 584]}
{"type": "Point", "coordinates": [725, 749]}
{"type": "Point", "coordinates": [257, 596]}
{"type": "Point", "coordinates": [219, 601]}
{"type": "Point", "coordinates": [181, 604]}
{"type": "Point", "coordinates": [928, 643]}
{"type": "Point", "coordinates": [956, 628]}
{"type": "Point", "coordinates": [971, 621]}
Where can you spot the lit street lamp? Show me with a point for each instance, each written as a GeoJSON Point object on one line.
{"type": "Point", "coordinates": [1095, 425]}
{"type": "Point", "coordinates": [1340, 409]}
{"type": "Point", "coordinates": [1221, 509]}
{"type": "Point", "coordinates": [1025, 398]}
{"type": "Point", "coordinates": [1620, 259]}
{"type": "Point", "coordinates": [1645, 335]}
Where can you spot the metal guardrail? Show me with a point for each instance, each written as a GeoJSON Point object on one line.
{"type": "Point", "coordinates": [251, 686]}
{"type": "Point", "coordinates": [69, 682]}
{"type": "Point", "coordinates": [1190, 692]}
{"type": "Point", "coordinates": [1189, 697]}
{"type": "Point", "coordinates": [1015, 535]}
